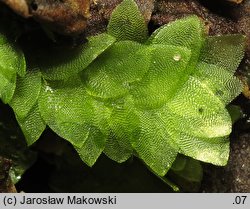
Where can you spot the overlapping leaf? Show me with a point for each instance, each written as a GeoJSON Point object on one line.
{"type": "Point", "coordinates": [12, 58]}
{"type": "Point", "coordinates": [12, 62]}
{"type": "Point", "coordinates": [122, 95]}
{"type": "Point", "coordinates": [110, 78]}
{"type": "Point", "coordinates": [221, 82]}
{"type": "Point", "coordinates": [187, 32]}
{"type": "Point", "coordinates": [32, 125]}
{"type": "Point", "coordinates": [92, 147]}
{"type": "Point", "coordinates": [8, 90]}
{"type": "Point", "coordinates": [154, 144]}
{"type": "Point", "coordinates": [65, 109]}
{"type": "Point", "coordinates": [165, 74]}
{"type": "Point", "coordinates": [59, 63]}
{"type": "Point", "coordinates": [224, 51]}
{"type": "Point", "coordinates": [123, 124]}
{"type": "Point", "coordinates": [26, 93]}
{"type": "Point", "coordinates": [194, 115]}
{"type": "Point", "coordinates": [127, 23]}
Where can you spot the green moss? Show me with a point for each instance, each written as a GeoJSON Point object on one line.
{"type": "Point", "coordinates": [125, 93]}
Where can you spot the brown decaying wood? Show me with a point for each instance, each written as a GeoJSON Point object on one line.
{"type": "Point", "coordinates": [64, 17]}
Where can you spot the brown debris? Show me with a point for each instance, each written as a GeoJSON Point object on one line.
{"type": "Point", "coordinates": [146, 7]}
{"type": "Point", "coordinates": [246, 87]}
{"type": "Point", "coordinates": [5, 182]}
{"type": "Point", "coordinates": [100, 11]}
{"type": "Point", "coordinates": [244, 22]}
{"type": "Point", "coordinates": [167, 11]}
{"type": "Point", "coordinates": [235, 1]}
{"type": "Point", "coordinates": [72, 17]}
{"type": "Point", "coordinates": [19, 6]}
{"type": "Point", "coordinates": [64, 17]}
{"type": "Point", "coordinates": [241, 14]}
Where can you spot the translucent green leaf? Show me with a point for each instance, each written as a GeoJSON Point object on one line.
{"type": "Point", "coordinates": [65, 108]}
{"type": "Point", "coordinates": [154, 144]}
{"type": "Point", "coordinates": [12, 61]}
{"type": "Point", "coordinates": [12, 58]}
{"type": "Point", "coordinates": [60, 63]}
{"type": "Point", "coordinates": [192, 170]}
{"type": "Point", "coordinates": [111, 78]}
{"type": "Point", "coordinates": [100, 116]}
{"type": "Point", "coordinates": [3, 82]}
{"type": "Point", "coordinates": [70, 112]}
{"type": "Point", "coordinates": [118, 149]}
{"type": "Point", "coordinates": [224, 51]}
{"type": "Point", "coordinates": [222, 83]}
{"type": "Point", "coordinates": [235, 112]}
{"type": "Point", "coordinates": [179, 163]}
{"type": "Point", "coordinates": [92, 147]}
{"type": "Point", "coordinates": [66, 100]}
{"type": "Point", "coordinates": [7, 93]}
{"type": "Point", "coordinates": [166, 74]}
{"type": "Point", "coordinates": [75, 133]}
{"type": "Point", "coordinates": [172, 185]}
{"type": "Point", "coordinates": [210, 150]}
{"type": "Point", "coordinates": [118, 96]}
{"type": "Point", "coordinates": [102, 86]}
{"type": "Point", "coordinates": [186, 32]}
{"type": "Point", "coordinates": [123, 122]}
{"type": "Point", "coordinates": [127, 23]}
{"type": "Point", "coordinates": [8, 74]}
{"type": "Point", "coordinates": [210, 146]}
{"type": "Point", "coordinates": [32, 125]}
{"type": "Point", "coordinates": [197, 111]}
{"type": "Point", "coordinates": [26, 93]}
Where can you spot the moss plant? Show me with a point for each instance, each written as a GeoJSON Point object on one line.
{"type": "Point", "coordinates": [127, 94]}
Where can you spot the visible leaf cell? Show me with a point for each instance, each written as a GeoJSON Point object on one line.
{"type": "Point", "coordinates": [125, 94]}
